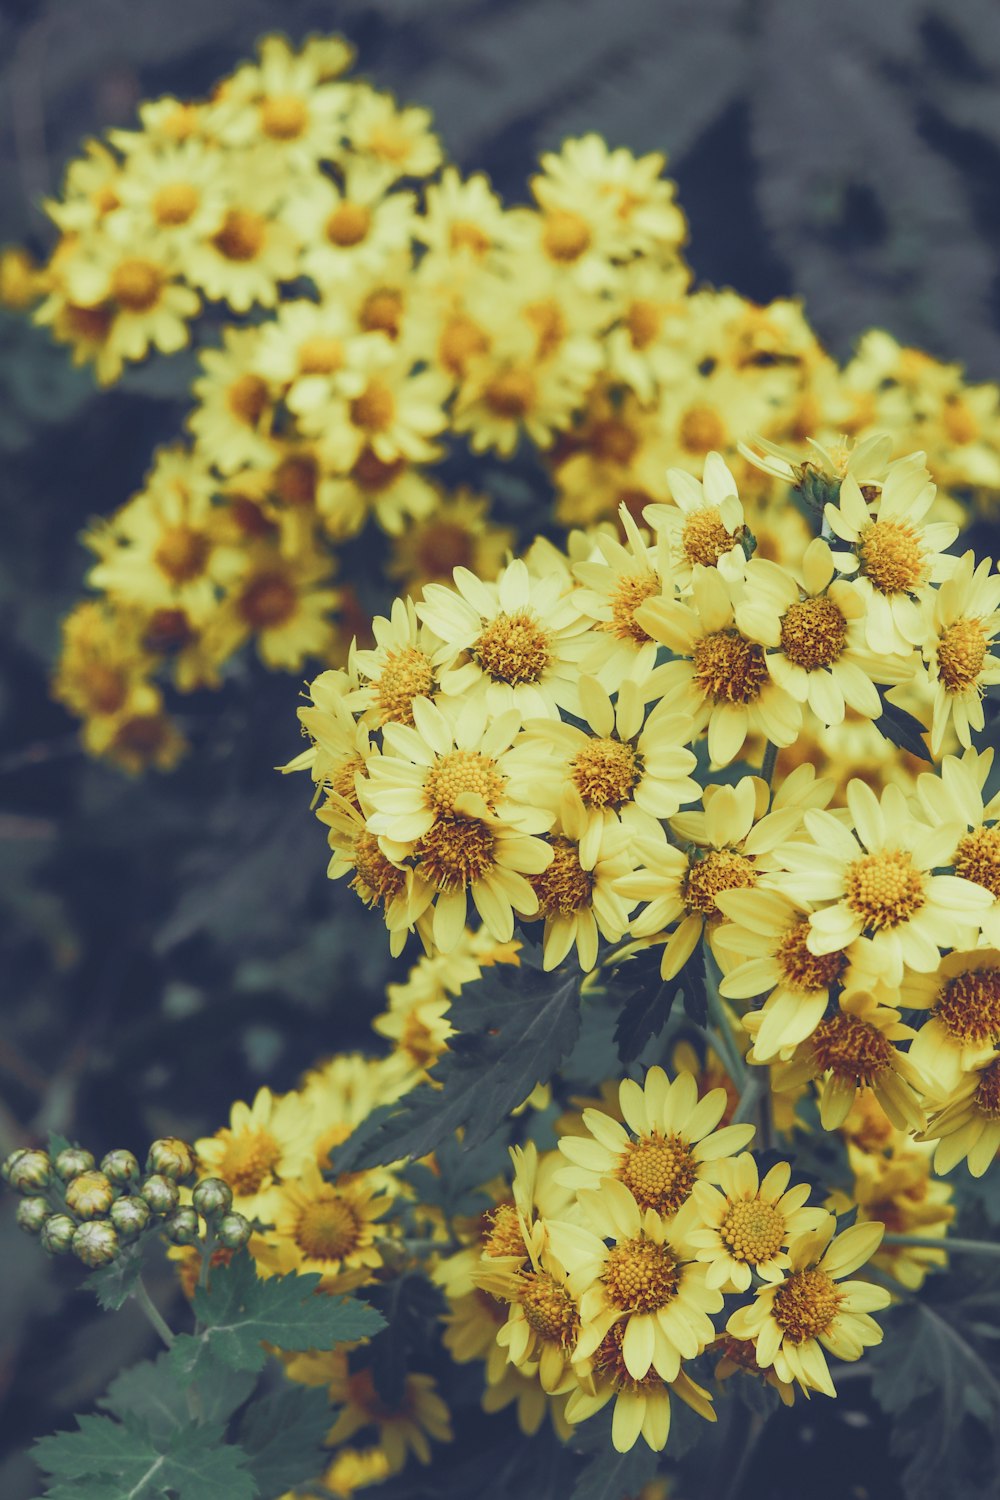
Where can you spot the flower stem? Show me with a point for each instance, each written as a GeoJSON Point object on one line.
{"type": "Point", "coordinates": [144, 1300]}
{"type": "Point", "coordinates": [970, 1247]}
{"type": "Point", "coordinates": [721, 1034]}
{"type": "Point", "coordinates": [767, 764]}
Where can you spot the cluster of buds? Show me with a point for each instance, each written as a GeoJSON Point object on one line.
{"type": "Point", "coordinates": [76, 1207]}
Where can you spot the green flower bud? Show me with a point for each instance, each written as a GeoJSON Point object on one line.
{"type": "Point", "coordinates": [32, 1170]}
{"type": "Point", "coordinates": [129, 1216]}
{"type": "Point", "coordinates": [90, 1195]}
{"type": "Point", "coordinates": [182, 1227]}
{"type": "Point", "coordinates": [32, 1213]}
{"type": "Point", "coordinates": [233, 1231]}
{"type": "Point", "coordinates": [212, 1196]}
{"type": "Point", "coordinates": [161, 1194]}
{"type": "Point", "coordinates": [121, 1168]}
{"type": "Point", "coordinates": [96, 1244]}
{"type": "Point", "coordinates": [171, 1158]}
{"type": "Point", "coordinates": [57, 1234]}
{"type": "Point", "coordinates": [8, 1162]}
{"type": "Point", "coordinates": [71, 1162]}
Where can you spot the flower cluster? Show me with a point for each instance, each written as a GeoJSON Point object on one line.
{"type": "Point", "coordinates": [407, 324]}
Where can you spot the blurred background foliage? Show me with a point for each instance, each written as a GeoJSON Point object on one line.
{"type": "Point", "coordinates": [168, 944]}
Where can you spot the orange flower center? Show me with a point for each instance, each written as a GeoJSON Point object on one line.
{"type": "Point", "coordinates": [728, 668]}
{"type": "Point", "coordinates": [659, 1171]}
{"type": "Point", "coordinates": [513, 648]}
{"type": "Point", "coordinates": [813, 633]}
{"type": "Point", "coordinates": [805, 1305]}
{"type": "Point", "coordinates": [564, 886]}
{"type": "Point", "coordinates": [884, 889]}
{"type": "Point", "coordinates": [640, 1276]}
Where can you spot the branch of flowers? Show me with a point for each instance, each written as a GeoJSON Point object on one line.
{"type": "Point", "coordinates": [144, 1300]}
{"type": "Point", "coordinates": [970, 1247]}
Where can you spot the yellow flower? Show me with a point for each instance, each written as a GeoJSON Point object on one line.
{"type": "Point", "coordinates": [398, 140]}
{"type": "Point", "coordinates": [397, 671]}
{"type": "Point", "coordinates": [283, 106]}
{"type": "Point", "coordinates": [389, 408]}
{"type": "Point", "coordinates": [508, 391]}
{"type": "Point", "coordinates": [280, 602]}
{"type": "Point", "coordinates": [326, 1227]}
{"type": "Point", "coordinates": [463, 223]}
{"type": "Point", "coordinates": [642, 1407]}
{"type": "Point", "coordinates": [252, 252]}
{"type": "Point", "coordinates": [739, 1356]}
{"type": "Point", "coordinates": [962, 621]}
{"type": "Point", "coordinates": [639, 349]}
{"type": "Point", "coordinates": [967, 1126]}
{"type": "Point", "coordinates": [175, 194]}
{"type": "Point", "coordinates": [353, 232]}
{"type": "Point", "coordinates": [355, 1469]}
{"type": "Point", "coordinates": [235, 404]}
{"type": "Point", "coordinates": [403, 1428]}
{"type": "Point", "coordinates": [375, 878]}
{"type": "Point", "coordinates": [579, 894]}
{"type": "Point", "coordinates": [455, 531]}
{"type": "Point", "coordinates": [263, 1143]}
{"type": "Point", "coordinates": [963, 1028]}
{"type": "Point", "coordinates": [955, 796]}
{"type": "Point", "coordinates": [705, 525]}
{"type": "Point", "coordinates": [899, 1192]}
{"type": "Point", "coordinates": [748, 1223]}
{"type": "Point", "coordinates": [670, 1142]}
{"type": "Point", "coordinates": [617, 581]}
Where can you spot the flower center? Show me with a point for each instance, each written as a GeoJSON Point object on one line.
{"type": "Point", "coordinates": [961, 652]}
{"type": "Point", "coordinates": [610, 1362]}
{"type": "Point", "coordinates": [605, 772]}
{"type": "Point", "coordinates": [182, 553]}
{"type": "Point", "coordinates": [375, 408]}
{"type": "Point", "coordinates": [90, 323]}
{"type": "Point", "coordinates": [968, 1006]}
{"type": "Point", "coordinates": [376, 879]}
{"type": "Point", "coordinates": [640, 1276]}
{"type": "Point", "coordinates": [248, 1160]}
{"type": "Point", "coordinates": [283, 117]}
{"type": "Point", "coordinates": [753, 1230]}
{"type": "Point", "coordinates": [704, 538]}
{"type": "Point", "coordinates": [852, 1048]}
{"type": "Point", "coordinates": [513, 648]}
{"type": "Point", "coordinates": [548, 321]}
{"type": "Point", "coordinates": [136, 284]}
{"type": "Point", "coordinates": [242, 235]}
{"type": "Point", "coordinates": [168, 630]}
{"type": "Point", "coordinates": [247, 399]}
{"type": "Point", "coordinates": [728, 668]}
{"type": "Point", "coordinates": [320, 355]}
{"type": "Point", "coordinates": [884, 889]}
{"type": "Point", "coordinates": [987, 1096]}
{"type": "Point", "coordinates": [104, 687]}
{"type": "Point", "coordinates": [702, 430]}
{"type": "Point", "coordinates": [328, 1229]}
{"type": "Point", "coordinates": [348, 224]}
{"type": "Point", "coordinates": [406, 674]}
{"type": "Point", "coordinates": [740, 1352]}
{"type": "Point", "coordinates": [459, 772]}
{"type": "Point", "coordinates": [978, 858]}
{"type": "Point", "coordinates": [807, 971]}
{"type": "Point", "coordinates": [466, 235]}
{"type": "Point", "coordinates": [565, 235]}
{"type": "Point", "coordinates": [343, 781]}
{"type": "Point", "coordinates": [805, 1305]}
{"type": "Point", "coordinates": [891, 556]}
{"type": "Point", "coordinates": [659, 1171]}
{"type": "Point", "coordinates": [455, 852]}
{"type": "Point", "coordinates": [375, 474]}
{"type": "Point", "coordinates": [549, 1309]}
{"type": "Point", "coordinates": [502, 1233]}
{"type": "Point", "coordinates": [613, 441]}
{"type": "Point", "coordinates": [268, 601]}
{"type": "Point", "coordinates": [382, 312]}
{"type": "Point", "coordinates": [631, 591]}
{"type": "Point", "coordinates": [461, 339]}
{"type": "Point", "coordinates": [174, 203]}
{"type": "Point", "coordinates": [813, 633]}
{"type": "Point", "coordinates": [718, 870]}
{"type": "Point", "coordinates": [511, 393]}
{"type": "Point", "coordinates": [643, 320]}
{"type": "Point", "coordinates": [564, 886]}
{"type": "Point", "coordinates": [442, 547]}
{"type": "Point", "coordinates": [295, 480]}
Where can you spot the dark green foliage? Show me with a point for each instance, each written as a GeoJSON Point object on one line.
{"type": "Point", "coordinates": [902, 729]}
{"type": "Point", "coordinates": [282, 1437]}
{"type": "Point", "coordinates": [645, 1000]}
{"type": "Point", "coordinates": [108, 1460]}
{"type": "Point", "coordinates": [112, 1284]}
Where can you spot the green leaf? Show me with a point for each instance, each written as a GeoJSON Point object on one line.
{"type": "Point", "coordinates": [412, 1308]}
{"type": "Point", "coordinates": [902, 729]}
{"type": "Point", "coordinates": [200, 1465]}
{"type": "Point", "coordinates": [108, 1460]}
{"type": "Point", "coordinates": [646, 1010]}
{"type": "Point", "coordinates": [238, 1313]}
{"type": "Point", "coordinates": [113, 1284]}
{"type": "Point", "coordinates": [609, 1475]}
{"type": "Point", "coordinates": [153, 1392]}
{"type": "Point", "coordinates": [282, 1436]}
{"type": "Point", "coordinates": [514, 1025]}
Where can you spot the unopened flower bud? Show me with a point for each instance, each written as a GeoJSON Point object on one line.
{"type": "Point", "coordinates": [121, 1168]}
{"type": "Point", "coordinates": [96, 1244]}
{"type": "Point", "coordinates": [31, 1214]}
{"type": "Point", "coordinates": [161, 1194]}
{"type": "Point", "coordinates": [171, 1158]}
{"type": "Point", "coordinates": [90, 1195]}
{"type": "Point", "coordinates": [71, 1162]}
{"type": "Point", "coordinates": [212, 1196]}
{"type": "Point", "coordinates": [183, 1227]}
{"type": "Point", "coordinates": [233, 1231]}
{"type": "Point", "coordinates": [32, 1170]}
{"type": "Point", "coordinates": [57, 1234]}
{"type": "Point", "coordinates": [129, 1216]}
{"type": "Point", "coordinates": [8, 1162]}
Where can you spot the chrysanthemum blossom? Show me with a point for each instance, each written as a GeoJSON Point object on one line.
{"type": "Point", "coordinates": [747, 1223]}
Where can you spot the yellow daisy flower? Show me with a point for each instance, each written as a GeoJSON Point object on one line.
{"type": "Point", "coordinates": [898, 1192]}
{"type": "Point", "coordinates": [89, 190]}
{"type": "Point", "coordinates": [176, 193]}
{"type": "Point", "coordinates": [326, 1227]}
{"type": "Point", "coordinates": [967, 1125]}
{"type": "Point", "coordinates": [649, 300]}
{"type": "Point", "coordinates": [390, 409]}
{"type": "Point", "coordinates": [463, 222]}
{"type": "Point", "coordinates": [955, 796]}
{"type": "Point", "coordinates": [793, 1321]}
{"type": "Point", "coordinates": [402, 1429]}
{"type": "Point", "coordinates": [235, 405]}
{"type": "Point", "coordinates": [252, 252]}
{"type": "Point", "coordinates": [351, 232]}
{"type": "Point", "coordinates": [962, 621]}
{"type": "Point", "coordinates": [705, 524]}
{"type": "Point", "coordinates": [454, 531]}
{"type": "Point", "coordinates": [394, 493]}
{"type": "Point", "coordinates": [739, 1357]}
{"type": "Point", "coordinates": [580, 901]}
{"type": "Point", "coordinates": [642, 1407]}
{"type": "Point", "coordinates": [400, 141]}
{"type": "Point", "coordinates": [397, 671]}
{"type": "Point", "coordinates": [264, 1143]}
{"type": "Point", "coordinates": [280, 105]}
{"type": "Point", "coordinates": [963, 1028]}
{"type": "Point", "coordinates": [749, 1222]}
{"type": "Point", "coordinates": [375, 878]}
{"type": "Point", "coordinates": [616, 581]}
{"type": "Point", "coordinates": [282, 604]}
{"type": "Point", "coordinates": [508, 392]}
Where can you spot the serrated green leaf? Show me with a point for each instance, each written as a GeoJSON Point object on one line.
{"type": "Point", "coordinates": [152, 1392]}
{"type": "Point", "coordinates": [282, 1436]}
{"type": "Point", "coordinates": [108, 1460]}
{"type": "Point", "coordinates": [113, 1284]}
{"type": "Point", "coordinates": [239, 1313]}
{"type": "Point", "coordinates": [201, 1465]}
{"type": "Point", "coordinates": [646, 1007]}
{"type": "Point", "coordinates": [119, 1450]}
{"type": "Point", "coordinates": [514, 1027]}
{"type": "Point", "coordinates": [610, 1475]}
{"type": "Point", "coordinates": [902, 729]}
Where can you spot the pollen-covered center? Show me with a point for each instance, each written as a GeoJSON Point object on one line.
{"type": "Point", "coordinates": [753, 1230]}
{"type": "Point", "coordinates": [609, 1361]}
{"type": "Point", "coordinates": [242, 235]}
{"type": "Point", "coordinates": [549, 1309]}
{"type": "Point", "coordinates": [961, 652]}
{"type": "Point", "coordinates": [807, 971]}
{"type": "Point", "coordinates": [348, 224]}
{"type": "Point", "coordinates": [513, 648]}
{"type": "Point", "coordinates": [459, 773]}
{"type": "Point", "coordinates": [968, 1006]}
{"type": "Point", "coordinates": [174, 203]}
{"type": "Point", "coordinates": [987, 1096]}
{"type": "Point", "coordinates": [644, 319]}
{"type": "Point", "coordinates": [321, 354]}
{"type": "Point", "coordinates": [247, 399]}
{"type": "Point", "coordinates": [565, 235]}
{"type": "Point", "coordinates": [501, 1234]}
{"type": "Point", "coordinates": [376, 879]}
{"type": "Point", "coordinates": [605, 772]}
{"type": "Point", "coordinates": [640, 1276]}
{"type": "Point", "coordinates": [444, 546]}
{"type": "Point", "coordinates": [891, 556]}
{"type": "Point", "coordinates": [813, 633]}
{"type": "Point", "coordinates": [455, 852]}
{"type": "Point", "coordinates": [659, 1171]}
{"type": "Point", "coordinates": [269, 600]}
{"type": "Point", "coordinates": [328, 1229]}
{"type": "Point", "coordinates": [718, 870]}
{"type": "Point", "coordinates": [728, 668]}
{"type": "Point", "coordinates": [283, 117]}
{"type": "Point", "coordinates": [564, 886]}
{"type": "Point", "coordinates": [343, 780]}
{"type": "Point", "coordinates": [511, 394]}
{"type": "Point", "coordinates": [630, 592]}
{"type": "Point", "coordinates": [375, 408]}
{"type": "Point", "coordinates": [851, 1048]}
{"type": "Point", "coordinates": [884, 889]}
{"type": "Point", "coordinates": [406, 674]}
{"type": "Point", "coordinates": [136, 284]}
{"type": "Point", "coordinates": [977, 858]}
{"type": "Point", "coordinates": [182, 553]}
{"type": "Point", "coordinates": [249, 1158]}
{"type": "Point", "coordinates": [704, 538]}
{"type": "Point", "coordinates": [805, 1305]}
{"type": "Point", "coordinates": [702, 430]}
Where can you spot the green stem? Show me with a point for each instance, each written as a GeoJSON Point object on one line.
{"type": "Point", "coordinates": [722, 1035]}
{"type": "Point", "coordinates": [208, 1245]}
{"type": "Point", "coordinates": [970, 1247]}
{"type": "Point", "coordinates": [767, 764]}
{"type": "Point", "coordinates": [750, 1097]}
{"type": "Point", "coordinates": [144, 1300]}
